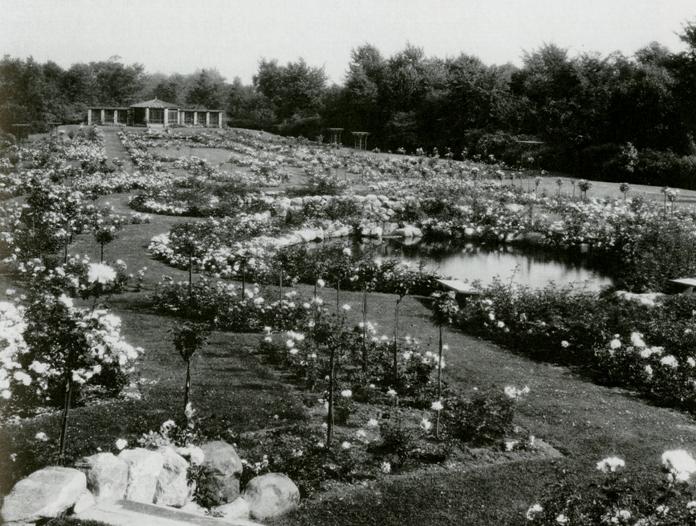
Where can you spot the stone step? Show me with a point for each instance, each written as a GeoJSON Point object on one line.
{"type": "Point", "coordinates": [130, 513]}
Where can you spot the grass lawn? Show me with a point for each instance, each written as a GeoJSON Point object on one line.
{"type": "Point", "coordinates": [603, 189]}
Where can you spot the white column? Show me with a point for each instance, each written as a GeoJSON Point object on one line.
{"type": "Point", "coordinates": [116, 116]}
{"type": "Point", "coordinates": [207, 119]}
{"type": "Point", "coordinates": [195, 118]}
{"type": "Point", "coordinates": [220, 119]}
{"type": "Point", "coordinates": [178, 117]}
{"type": "Point", "coordinates": [89, 116]}
{"type": "Point", "coordinates": [166, 117]}
{"type": "Point", "coordinates": [102, 117]}
{"type": "Point", "coordinates": [147, 117]}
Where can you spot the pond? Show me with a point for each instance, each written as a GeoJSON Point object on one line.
{"type": "Point", "coordinates": [532, 267]}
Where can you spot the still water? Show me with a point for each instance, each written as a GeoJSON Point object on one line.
{"type": "Point", "coordinates": [534, 268]}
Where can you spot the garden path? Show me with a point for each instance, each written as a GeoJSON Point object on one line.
{"type": "Point", "coordinates": [115, 149]}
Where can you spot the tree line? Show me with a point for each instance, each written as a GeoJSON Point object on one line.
{"type": "Point", "coordinates": [610, 117]}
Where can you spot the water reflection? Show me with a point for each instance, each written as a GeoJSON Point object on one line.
{"type": "Point", "coordinates": [470, 262]}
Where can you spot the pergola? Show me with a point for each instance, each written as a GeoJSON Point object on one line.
{"type": "Point", "coordinates": [360, 139]}
{"type": "Point", "coordinates": [22, 130]}
{"type": "Point", "coordinates": [335, 136]}
{"type": "Point", "coordinates": [155, 113]}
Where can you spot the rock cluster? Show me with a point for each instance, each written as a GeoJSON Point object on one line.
{"type": "Point", "coordinates": [150, 476]}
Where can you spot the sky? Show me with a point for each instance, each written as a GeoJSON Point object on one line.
{"type": "Point", "coordinates": [231, 36]}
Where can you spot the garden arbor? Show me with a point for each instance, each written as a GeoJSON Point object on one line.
{"type": "Point", "coordinates": [335, 136]}
{"type": "Point", "coordinates": [360, 139]}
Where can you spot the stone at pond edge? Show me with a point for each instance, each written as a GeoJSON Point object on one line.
{"type": "Point", "coordinates": [172, 484]}
{"type": "Point", "coordinates": [223, 468]}
{"type": "Point", "coordinates": [45, 493]}
{"type": "Point", "coordinates": [271, 495]}
{"type": "Point", "coordinates": [144, 467]}
{"type": "Point", "coordinates": [237, 509]}
{"type": "Point", "coordinates": [107, 476]}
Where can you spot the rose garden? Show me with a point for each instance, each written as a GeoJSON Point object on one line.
{"type": "Point", "coordinates": [207, 320]}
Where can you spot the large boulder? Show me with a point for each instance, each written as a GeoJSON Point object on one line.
{"type": "Point", "coordinates": [172, 484]}
{"type": "Point", "coordinates": [45, 493]}
{"type": "Point", "coordinates": [311, 234]}
{"type": "Point", "coordinates": [370, 230]}
{"type": "Point", "coordinates": [223, 469]}
{"type": "Point", "coordinates": [237, 509]}
{"type": "Point", "coordinates": [271, 495]}
{"type": "Point", "coordinates": [84, 502]}
{"type": "Point", "coordinates": [340, 231]}
{"type": "Point", "coordinates": [649, 299]}
{"type": "Point", "coordinates": [107, 476]}
{"type": "Point", "coordinates": [408, 231]}
{"type": "Point", "coordinates": [144, 467]}
{"type": "Point", "coordinates": [515, 207]}
{"type": "Point", "coordinates": [388, 229]}
{"type": "Point", "coordinates": [193, 454]}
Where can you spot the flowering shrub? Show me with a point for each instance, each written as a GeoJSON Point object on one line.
{"type": "Point", "coordinates": [49, 342]}
{"type": "Point", "coordinates": [47, 221]}
{"type": "Point", "coordinates": [300, 453]}
{"type": "Point", "coordinates": [306, 357]}
{"type": "Point", "coordinates": [201, 199]}
{"type": "Point", "coordinates": [646, 347]}
{"type": "Point", "coordinates": [78, 276]}
{"type": "Point", "coordinates": [225, 307]}
{"type": "Point", "coordinates": [385, 275]}
{"type": "Point", "coordinates": [614, 501]}
{"type": "Point", "coordinates": [483, 419]}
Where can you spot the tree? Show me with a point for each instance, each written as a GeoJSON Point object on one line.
{"type": "Point", "coordinates": [445, 309]}
{"type": "Point", "coordinates": [683, 68]}
{"type": "Point", "coordinates": [293, 89]}
{"type": "Point", "coordinates": [67, 348]}
{"type": "Point", "coordinates": [116, 84]}
{"type": "Point", "coordinates": [206, 90]}
{"type": "Point", "coordinates": [168, 90]}
{"type": "Point", "coordinates": [189, 338]}
{"type": "Point", "coordinates": [364, 88]}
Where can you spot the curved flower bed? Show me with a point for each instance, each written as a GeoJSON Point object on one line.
{"type": "Point", "coordinates": [201, 201]}
{"type": "Point", "coordinates": [647, 346]}
{"type": "Point", "coordinates": [617, 233]}
{"type": "Point", "coordinates": [227, 307]}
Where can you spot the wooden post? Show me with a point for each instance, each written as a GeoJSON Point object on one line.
{"type": "Point", "coordinates": [396, 342]}
{"type": "Point", "coordinates": [66, 411]}
{"type": "Point", "coordinates": [280, 283]}
{"type": "Point", "coordinates": [187, 388]}
{"type": "Point", "coordinates": [330, 415]}
{"type": "Point", "coordinates": [364, 331]}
